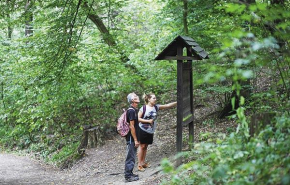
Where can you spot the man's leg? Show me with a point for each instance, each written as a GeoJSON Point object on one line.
{"type": "Point", "coordinates": [130, 159]}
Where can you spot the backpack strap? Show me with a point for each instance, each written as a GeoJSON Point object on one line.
{"type": "Point", "coordinates": [144, 110]}
{"type": "Point", "coordinates": [156, 108]}
{"type": "Point", "coordinates": [128, 111]}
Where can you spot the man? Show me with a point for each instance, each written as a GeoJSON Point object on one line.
{"type": "Point", "coordinates": [131, 137]}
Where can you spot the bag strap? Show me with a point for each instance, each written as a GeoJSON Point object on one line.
{"type": "Point", "coordinates": [128, 110]}
{"type": "Point", "coordinates": [144, 110]}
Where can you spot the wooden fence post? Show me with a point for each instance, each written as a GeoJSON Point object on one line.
{"type": "Point", "coordinates": [89, 138]}
{"type": "Point", "coordinates": [259, 121]}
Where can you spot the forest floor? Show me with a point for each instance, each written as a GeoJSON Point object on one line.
{"type": "Point", "coordinates": [105, 164]}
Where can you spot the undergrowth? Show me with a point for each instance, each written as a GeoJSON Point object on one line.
{"type": "Point", "coordinates": [263, 159]}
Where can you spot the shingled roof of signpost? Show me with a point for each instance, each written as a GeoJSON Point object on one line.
{"type": "Point", "coordinates": [171, 50]}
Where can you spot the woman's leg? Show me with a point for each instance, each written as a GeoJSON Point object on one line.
{"type": "Point", "coordinates": [144, 153]}
{"type": "Point", "coordinates": [141, 157]}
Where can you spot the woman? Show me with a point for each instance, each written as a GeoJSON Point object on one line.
{"type": "Point", "coordinates": [147, 122]}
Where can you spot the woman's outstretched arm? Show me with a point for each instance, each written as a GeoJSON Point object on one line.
{"type": "Point", "coordinates": [167, 106]}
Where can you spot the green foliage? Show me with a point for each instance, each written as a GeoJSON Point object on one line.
{"type": "Point", "coordinates": [67, 152]}
{"type": "Point", "coordinates": [66, 75]}
{"type": "Point", "coordinates": [247, 52]}
{"type": "Point", "coordinates": [220, 93]}
{"type": "Point", "coordinates": [261, 160]}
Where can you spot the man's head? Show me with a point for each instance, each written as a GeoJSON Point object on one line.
{"type": "Point", "coordinates": [133, 98]}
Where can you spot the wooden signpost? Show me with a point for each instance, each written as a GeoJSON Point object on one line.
{"type": "Point", "coordinates": [184, 50]}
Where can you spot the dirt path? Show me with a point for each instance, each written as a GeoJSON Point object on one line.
{"type": "Point", "coordinates": [101, 165]}
{"type": "Point", "coordinates": [15, 170]}
{"type": "Point", "coordinates": [104, 164]}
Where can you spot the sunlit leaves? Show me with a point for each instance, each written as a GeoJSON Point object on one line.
{"type": "Point", "coordinates": [261, 6]}
{"type": "Point", "coordinates": [239, 62]}
{"type": "Point", "coordinates": [235, 8]}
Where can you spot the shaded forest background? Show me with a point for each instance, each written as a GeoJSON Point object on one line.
{"type": "Point", "coordinates": [66, 64]}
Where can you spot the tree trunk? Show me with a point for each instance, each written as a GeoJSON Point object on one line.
{"type": "Point", "coordinates": [3, 102]}
{"type": "Point", "coordinates": [185, 12]}
{"type": "Point", "coordinates": [28, 19]}
{"type": "Point", "coordinates": [108, 38]}
{"type": "Point", "coordinates": [9, 9]}
{"type": "Point", "coordinates": [101, 26]}
{"type": "Point", "coordinates": [10, 30]}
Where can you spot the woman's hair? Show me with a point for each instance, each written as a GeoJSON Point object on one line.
{"type": "Point", "coordinates": [146, 97]}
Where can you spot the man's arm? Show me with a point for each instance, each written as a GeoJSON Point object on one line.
{"type": "Point", "coordinates": [133, 132]}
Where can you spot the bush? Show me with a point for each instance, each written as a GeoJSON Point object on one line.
{"type": "Point", "coordinates": [262, 160]}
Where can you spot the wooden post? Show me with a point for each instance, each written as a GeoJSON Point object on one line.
{"type": "Point", "coordinates": [84, 142]}
{"type": "Point", "coordinates": [191, 124]}
{"type": "Point", "coordinates": [89, 138]}
{"type": "Point", "coordinates": [92, 139]}
{"type": "Point", "coordinates": [179, 104]}
{"type": "Point", "coordinates": [259, 121]}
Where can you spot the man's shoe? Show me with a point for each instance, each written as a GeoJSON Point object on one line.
{"type": "Point", "coordinates": [135, 175]}
{"type": "Point", "coordinates": [131, 179]}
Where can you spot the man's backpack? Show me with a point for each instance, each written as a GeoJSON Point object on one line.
{"type": "Point", "coordinates": [122, 124]}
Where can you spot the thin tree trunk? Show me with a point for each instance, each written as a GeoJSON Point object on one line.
{"type": "Point", "coordinates": [10, 5]}
{"type": "Point", "coordinates": [185, 12]}
{"type": "Point", "coordinates": [108, 38]}
{"type": "Point", "coordinates": [2, 97]}
{"type": "Point", "coordinates": [28, 19]}
{"type": "Point", "coordinates": [101, 26]}
{"type": "Point", "coordinates": [10, 30]}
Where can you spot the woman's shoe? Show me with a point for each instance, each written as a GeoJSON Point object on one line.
{"type": "Point", "coordinates": [146, 165]}
{"type": "Point", "coordinates": [141, 169]}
